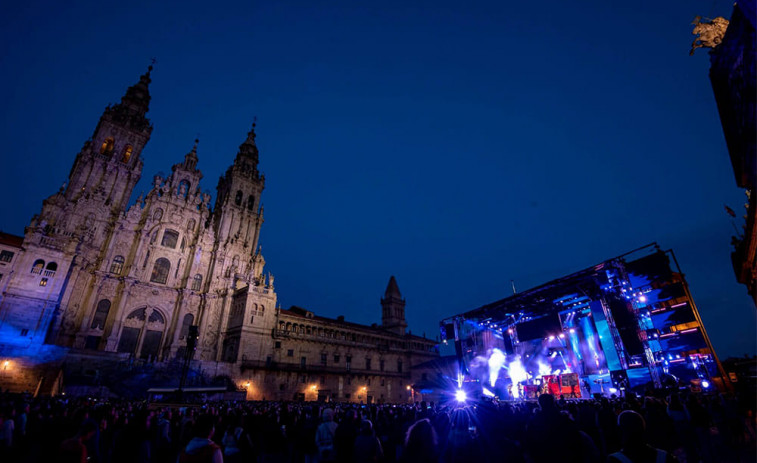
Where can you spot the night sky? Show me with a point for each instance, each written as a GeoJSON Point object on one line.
{"type": "Point", "coordinates": [455, 145]}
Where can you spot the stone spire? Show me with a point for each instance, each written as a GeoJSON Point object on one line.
{"type": "Point", "coordinates": [110, 162]}
{"type": "Point", "coordinates": [190, 159]}
{"type": "Point", "coordinates": [236, 213]}
{"type": "Point", "coordinates": [392, 290]}
{"type": "Point", "coordinates": [393, 308]}
{"type": "Point", "coordinates": [248, 152]}
{"type": "Point", "coordinates": [137, 97]}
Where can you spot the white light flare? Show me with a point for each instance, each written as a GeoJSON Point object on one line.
{"type": "Point", "coordinates": [496, 362]}
{"type": "Point", "coordinates": [517, 375]}
{"type": "Point", "coordinates": [544, 369]}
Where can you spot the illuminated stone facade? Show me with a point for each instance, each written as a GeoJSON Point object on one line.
{"type": "Point", "coordinates": [93, 275]}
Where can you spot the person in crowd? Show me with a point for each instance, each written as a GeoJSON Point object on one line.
{"type": "Point", "coordinates": [201, 449]}
{"type": "Point", "coordinates": [461, 443]}
{"type": "Point", "coordinates": [367, 447]}
{"type": "Point", "coordinates": [421, 444]}
{"type": "Point", "coordinates": [481, 431]}
{"type": "Point", "coordinates": [325, 437]}
{"type": "Point", "coordinates": [567, 443]}
{"type": "Point", "coordinates": [8, 428]}
{"type": "Point", "coordinates": [161, 436]}
{"type": "Point", "coordinates": [345, 435]}
{"type": "Point", "coordinates": [634, 447]}
{"type": "Point", "coordinates": [74, 450]}
{"type": "Point", "coordinates": [234, 440]}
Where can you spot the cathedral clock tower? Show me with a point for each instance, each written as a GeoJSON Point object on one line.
{"type": "Point", "coordinates": [109, 164]}
{"type": "Point", "coordinates": [238, 215]}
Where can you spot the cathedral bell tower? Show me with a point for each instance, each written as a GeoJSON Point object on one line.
{"type": "Point", "coordinates": [237, 212]}
{"type": "Point", "coordinates": [109, 165]}
{"type": "Point", "coordinates": [393, 309]}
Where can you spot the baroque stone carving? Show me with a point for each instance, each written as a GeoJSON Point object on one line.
{"type": "Point", "coordinates": [709, 33]}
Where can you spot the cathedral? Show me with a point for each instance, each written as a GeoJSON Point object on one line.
{"type": "Point", "coordinates": [95, 280]}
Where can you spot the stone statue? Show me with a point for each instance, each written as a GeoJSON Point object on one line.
{"type": "Point", "coordinates": [709, 33]}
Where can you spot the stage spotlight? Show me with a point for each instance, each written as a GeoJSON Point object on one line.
{"type": "Point", "coordinates": [551, 338]}
{"type": "Point", "coordinates": [562, 336]}
{"type": "Point", "coordinates": [642, 298]}
{"type": "Point", "coordinates": [613, 390]}
{"type": "Point", "coordinates": [572, 330]}
{"type": "Point", "coordinates": [705, 384]}
{"type": "Point", "coordinates": [461, 396]}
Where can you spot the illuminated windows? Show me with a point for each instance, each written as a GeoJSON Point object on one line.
{"type": "Point", "coordinates": [107, 146]}
{"type": "Point", "coordinates": [127, 154]}
{"type": "Point", "coordinates": [39, 264]}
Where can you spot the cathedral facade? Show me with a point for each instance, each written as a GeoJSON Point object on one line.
{"type": "Point", "coordinates": [94, 275]}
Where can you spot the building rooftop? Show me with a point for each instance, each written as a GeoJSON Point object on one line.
{"type": "Point", "coordinates": [11, 240]}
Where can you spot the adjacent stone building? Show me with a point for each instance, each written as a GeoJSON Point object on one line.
{"type": "Point", "coordinates": [93, 275]}
{"type": "Point", "coordinates": [733, 74]}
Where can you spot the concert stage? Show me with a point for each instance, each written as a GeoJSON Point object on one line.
{"type": "Point", "coordinates": [626, 323]}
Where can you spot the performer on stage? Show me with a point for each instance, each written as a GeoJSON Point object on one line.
{"type": "Point", "coordinates": [587, 386]}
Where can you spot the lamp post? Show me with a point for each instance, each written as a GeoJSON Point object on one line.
{"type": "Point", "coordinates": [192, 334]}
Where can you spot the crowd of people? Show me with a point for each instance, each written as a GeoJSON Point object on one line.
{"type": "Point", "coordinates": [680, 427]}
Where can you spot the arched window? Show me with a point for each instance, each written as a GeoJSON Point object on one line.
{"type": "Point", "coordinates": [127, 154]}
{"type": "Point", "coordinates": [117, 266]}
{"type": "Point", "coordinates": [147, 324]}
{"type": "Point", "coordinates": [160, 271]}
{"type": "Point", "coordinates": [238, 199]}
{"type": "Point", "coordinates": [101, 314]}
{"type": "Point", "coordinates": [185, 324]}
{"type": "Point", "coordinates": [107, 146]}
{"type": "Point", "coordinates": [197, 282]}
{"type": "Point", "coordinates": [39, 264]}
{"type": "Point", "coordinates": [50, 269]}
{"type": "Point", "coordinates": [156, 317]}
{"type": "Point", "coordinates": [251, 203]}
{"type": "Point", "coordinates": [170, 238]}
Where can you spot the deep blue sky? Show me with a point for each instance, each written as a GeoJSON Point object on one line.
{"type": "Point", "coordinates": [456, 145]}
